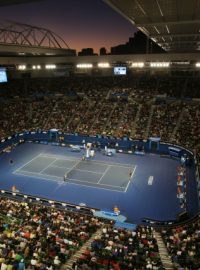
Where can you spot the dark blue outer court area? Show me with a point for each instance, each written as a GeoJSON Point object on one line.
{"type": "Point", "coordinates": [157, 201]}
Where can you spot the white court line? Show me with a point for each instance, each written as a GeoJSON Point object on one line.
{"type": "Point", "coordinates": [83, 181]}
{"type": "Point", "coordinates": [59, 177]}
{"type": "Point", "coordinates": [87, 171]}
{"type": "Point", "coordinates": [38, 177]}
{"type": "Point", "coordinates": [150, 180]}
{"type": "Point", "coordinates": [47, 166]}
{"type": "Point", "coordinates": [106, 170]}
{"type": "Point", "coordinates": [59, 184]}
{"type": "Point", "coordinates": [26, 163]}
{"type": "Point", "coordinates": [129, 166]}
{"type": "Point", "coordinates": [40, 174]}
{"type": "Point", "coordinates": [111, 164]}
{"type": "Point", "coordinates": [68, 182]}
{"type": "Point", "coordinates": [94, 187]}
{"type": "Point", "coordinates": [60, 157]}
{"type": "Point", "coordinates": [60, 167]}
{"type": "Point", "coordinates": [74, 166]}
{"type": "Point", "coordinates": [76, 169]}
{"type": "Point", "coordinates": [35, 173]}
{"type": "Point", "coordinates": [132, 173]}
{"type": "Point", "coordinates": [131, 178]}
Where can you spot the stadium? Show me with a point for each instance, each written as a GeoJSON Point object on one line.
{"type": "Point", "coordinates": [99, 154]}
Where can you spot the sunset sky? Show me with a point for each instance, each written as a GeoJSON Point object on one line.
{"type": "Point", "coordinates": [81, 23]}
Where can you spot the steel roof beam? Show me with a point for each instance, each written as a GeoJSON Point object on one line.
{"type": "Point", "coordinates": [181, 42]}
{"type": "Point", "coordinates": [175, 35]}
{"type": "Point", "coordinates": [168, 23]}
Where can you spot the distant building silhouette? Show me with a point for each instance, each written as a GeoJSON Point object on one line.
{"type": "Point", "coordinates": [86, 51]}
{"type": "Point", "coordinates": [140, 43]}
{"type": "Point", "coordinates": [102, 51]}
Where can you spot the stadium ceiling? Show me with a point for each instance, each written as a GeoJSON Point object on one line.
{"type": "Point", "coordinates": [14, 2]}
{"type": "Point", "coordinates": [172, 24]}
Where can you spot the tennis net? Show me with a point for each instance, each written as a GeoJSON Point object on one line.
{"type": "Point", "coordinates": [66, 176]}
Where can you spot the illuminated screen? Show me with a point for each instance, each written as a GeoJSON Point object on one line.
{"type": "Point", "coordinates": [3, 75]}
{"type": "Point", "coordinates": [119, 70]}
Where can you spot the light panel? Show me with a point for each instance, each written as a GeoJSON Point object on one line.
{"type": "Point", "coordinates": [21, 67]}
{"type": "Point", "coordinates": [159, 64]}
{"type": "Point", "coordinates": [103, 65]}
{"type": "Point", "coordinates": [50, 66]}
{"type": "Point", "coordinates": [84, 65]}
{"type": "Point", "coordinates": [137, 64]}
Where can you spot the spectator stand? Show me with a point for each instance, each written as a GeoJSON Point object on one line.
{"type": "Point", "coordinates": [181, 185]}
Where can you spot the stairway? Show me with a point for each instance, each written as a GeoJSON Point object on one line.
{"type": "Point", "coordinates": [77, 255]}
{"type": "Point", "coordinates": [96, 116]}
{"type": "Point", "coordinates": [164, 255]}
{"type": "Point", "coordinates": [84, 116]}
{"type": "Point", "coordinates": [149, 121]}
{"type": "Point", "coordinates": [108, 123]}
{"type": "Point", "coordinates": [133, 127]}
{"type": "Point", "coordinates": [46, 121]}
{"type": "Point", "coordinates": [183, 112]}
{"type": "Point", "coordinates": [71, 119]}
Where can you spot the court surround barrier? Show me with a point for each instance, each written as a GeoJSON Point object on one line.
{"type": "Point", "coordinates": [123, 145]}
{"type": "Point", "coordinates": [90, 211]}
{"type": "Point", "coordinates": [52, 203]}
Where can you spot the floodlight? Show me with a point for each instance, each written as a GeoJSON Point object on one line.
{"type": "Point", "coordinates": [50, 66]}
{"type": "Point", "coordinates": [21, 67]}
{"type": "Point", "coordinates": [137, 64]}
{"type": "Point", "coordinates": [103, 65]}
{"type": "Point", "coordinates": [84, 65]}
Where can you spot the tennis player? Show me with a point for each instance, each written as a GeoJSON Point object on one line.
{"type": "Point", "coordinates": [65, 177]}
{"type": "Point", "coordinates": [130, 174]}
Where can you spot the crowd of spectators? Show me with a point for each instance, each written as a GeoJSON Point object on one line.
{"type": "Point", "coordinates": [110, 106]}
{"type": "Point", "coordinates": [122, 249]}
{"type": "Point", "coordinates": [43, 238]}
{"type": "Point", "coordinates": [189, 126]}
{"type": "Point", "coordinates": [181, 186]}
{"type": "Point", "coordinates": [164, 120]}
{"type": "Point", "coordinates": [38, 237]}
{"type": "Point", "coordinates": [183, 244]}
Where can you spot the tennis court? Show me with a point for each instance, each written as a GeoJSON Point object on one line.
{"type": "Point", "coordinates": [70, 170]}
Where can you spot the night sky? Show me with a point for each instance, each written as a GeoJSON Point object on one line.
{"type": "Point", "coordinates": [81, 23]}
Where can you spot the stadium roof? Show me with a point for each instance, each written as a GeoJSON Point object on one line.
{"type": "Point", "coordinates": [173, 24]}
{"type": "Point", "coordinates": [14, 2]}
{"type": "Point", "coordinates": [19, 38]}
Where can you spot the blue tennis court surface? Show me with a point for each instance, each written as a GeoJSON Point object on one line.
{"type": "Point", "coordinates": [102, 182]}
{"type": "Point", "coordinates": [112, 176]}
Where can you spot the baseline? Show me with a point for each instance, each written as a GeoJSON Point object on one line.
{"type": "Point", "coordinates": [33, 175]}
{"type": "Point", "coordinates": [130, 179]}
{"type": "Point", "coordinates": [97, 184]}
{"type": "Point", "coordinates": [71, 183]}
{"type": "Point", "coordinates": [18, 169]}
{"type": "Point", "coordinates": [60, 157]}
{"type": "Point", "coordinates": [92, 161]}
